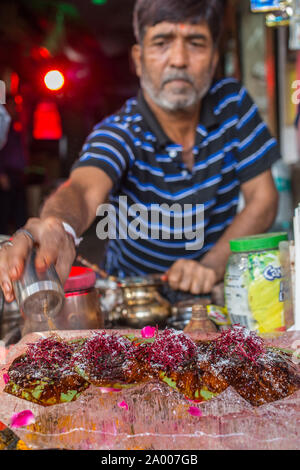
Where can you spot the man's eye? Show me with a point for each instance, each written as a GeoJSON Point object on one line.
{"type": "Point", "coordinates": [160, 43]}
{"type": "Point", "coordinates": [198, 44]}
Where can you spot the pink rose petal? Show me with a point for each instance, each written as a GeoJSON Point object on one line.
{"type": "Point", "coordinates": [193, 401]}
{"type": "Point", "coordinates": [148, 331]}
{"type": "Point", "coordinates": [123, 404]}
{"type": "Point", "coordinates": [194, 411]}
{"type": "Point", "coordinates": [24, 418]}
{"type": "Point", "coordinates": [109, 389]}
{"type": "Point", "coordinates": [6, 378]}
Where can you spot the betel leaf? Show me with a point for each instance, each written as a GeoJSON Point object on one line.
{"type": "Point", "coordinates": [207, 395]}
{"type": "Point", "coordinates": [123, 386]}
{"type": "Point", "coordinates": [168, 380]}
{"type": "Point", "coordinates": [130, 337]}
{"type": "Point", "coordinates": [66, 397]}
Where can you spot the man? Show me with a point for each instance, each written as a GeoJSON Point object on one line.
{"type": "Point", "coordinates": [185, 139]}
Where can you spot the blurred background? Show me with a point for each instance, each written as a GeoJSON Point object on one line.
{"type": "Point", "coordinates": [66, 65]}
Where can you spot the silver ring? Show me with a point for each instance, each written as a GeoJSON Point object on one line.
{"type": "Point", "coordinates": [4, 243]}
{"type": "Point", "coordinates": [26, 232]}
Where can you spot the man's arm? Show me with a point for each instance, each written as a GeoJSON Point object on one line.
{"type": "Point", "coordinates": [75, 202]}
{"type": "Point", "coordinates": [261, 202]}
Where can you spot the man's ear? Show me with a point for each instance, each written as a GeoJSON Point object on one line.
{"type": "Point", "coordinates": [136, 54]}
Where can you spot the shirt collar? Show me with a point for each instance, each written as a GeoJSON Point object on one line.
{"type": "Point", "coordinates": [208, 119]}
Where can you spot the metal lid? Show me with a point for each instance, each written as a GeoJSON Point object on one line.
{"type": "Point", "coordinates": [140, 281]}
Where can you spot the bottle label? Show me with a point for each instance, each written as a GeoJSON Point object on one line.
{"type": "Point", "coordinates": [254, 295]}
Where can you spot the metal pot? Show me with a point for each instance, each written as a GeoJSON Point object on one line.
{"type": "Point", "coordinates": [142, 304]}
{"type": "Point", "coordinates": [110, 295]}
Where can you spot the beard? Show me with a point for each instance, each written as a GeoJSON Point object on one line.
{"type": "Point", "coordinates": [178, 98]}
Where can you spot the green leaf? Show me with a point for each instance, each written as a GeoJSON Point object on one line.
{"type": "Point", "coordinates": [168, 380]}
{"type": "Point", "coordinates": [66, 397]}
{"type": "Point", "coordinates": [207, 395]}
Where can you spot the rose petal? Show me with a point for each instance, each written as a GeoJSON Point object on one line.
{"type": "Point", "coordinates": [24, 418]}
{"type": "Point", "coordinates": [194, 411]}
{"type": "Point", "coordinates": [109, 389]}
{"type": "Point", "coordinates": [193, 401]}
{"type": "Point", "coordinates": [6, 378]}
{"type": "Point", "coordinates": [123, 404]}
{"type": "Point", "coordinates": [148, 331]}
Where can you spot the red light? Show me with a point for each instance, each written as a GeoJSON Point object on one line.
{"type": "Point", "coordinates": [47, 122]}
{"type": "Point", "coordinates": [44, 53]}
{"type": "Point", "coordinates": [14, 83]}
{"type": "Point", "coordinates": [17, 126]}
{"type": "Point", "coordinates": [54, 80]}
{"type": "Point", "coordinates": [40, 53]}
{"type": "Point", "coordinates": [18, 99]}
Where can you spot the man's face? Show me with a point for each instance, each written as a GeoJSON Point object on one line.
{"type": "Point", "coordinates": [176, 64]}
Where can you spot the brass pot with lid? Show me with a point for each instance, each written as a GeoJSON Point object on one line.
{"type": "Point", "coordinates": [142, 303]}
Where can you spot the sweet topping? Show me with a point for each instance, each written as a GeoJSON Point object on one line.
{"type": "Point", "coordinates": [102, 350]}
{"type": "Point", "coordinates": [239, 341]}
{"type": "Point", "coordinates": [54, 371]}
{"type": "Point", "coordinates": [50, 352]}
{"type": "Point", "coordinates": [171, 350]}
{"type": "Point", "coordinates": [106, 360]}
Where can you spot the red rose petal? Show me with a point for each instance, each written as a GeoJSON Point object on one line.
{"type": "Point", "coordinates": [24, 418]}
{"type": "Point", "coordinates": [194, 411]}
{"type": "Point", "coordinates": [123, 404]}
{"type": "Point", "coordinates": [109, 389]}
{"type": "Point", "coordinates": [6, 378]}
{"type": "Point", "coordinates": [148, 331]}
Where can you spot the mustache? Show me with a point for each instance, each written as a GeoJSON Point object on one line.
{"type": "Point", "coordinates": [177, 76]}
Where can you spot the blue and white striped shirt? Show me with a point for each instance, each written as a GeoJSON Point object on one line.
{"type": "Point", "coordinates": [233, 145]}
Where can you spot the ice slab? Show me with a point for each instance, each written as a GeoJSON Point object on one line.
{"type": "Point", "coordinates": [157, 417]}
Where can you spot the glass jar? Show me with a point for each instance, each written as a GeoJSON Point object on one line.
{"type": "Point", "coordinates": [253, 283]}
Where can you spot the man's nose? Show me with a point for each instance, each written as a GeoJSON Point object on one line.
{"type": "Point", "coordinates": [178, 55]}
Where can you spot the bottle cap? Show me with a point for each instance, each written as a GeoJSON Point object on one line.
{"type": "Point", "coordinates": [267, 241]}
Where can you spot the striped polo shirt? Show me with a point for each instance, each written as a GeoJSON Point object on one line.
{"type": "Point", "coordinates": [232, 146]}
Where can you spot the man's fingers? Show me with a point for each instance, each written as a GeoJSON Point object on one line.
{"type": "Point", "coordinates": [65, 260]}
{"type": "Point", "coordinates": [7, 288]}
{"type": "Point", "coordinates": [191, 276]}
{"type": "Point", "coordinates": [11, 266]}
{"type": "Point", "coordinates": [17, 254]}
{"type": "Point", "coordinates": [5, 282]}
{"type": "Point", "coordinates": [50, 243]}
{"type": "Point", "coordinates": [209, 280]}
{"type": "Point", "coordinates": [188, 275]}
{"type": "Point", "coordinates": [175, 274]}
{"type": "Point", "coordinates": [207, 287]}
{"type": "Point", "coordinates": [196, 286]}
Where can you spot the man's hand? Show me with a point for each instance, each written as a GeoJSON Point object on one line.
{"type": "Point", "coordinates": [54, 246]}
{"type": "Point", "coordinates": [75, 202]}
{"type": "Point", "coordinates": [191, 276]}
